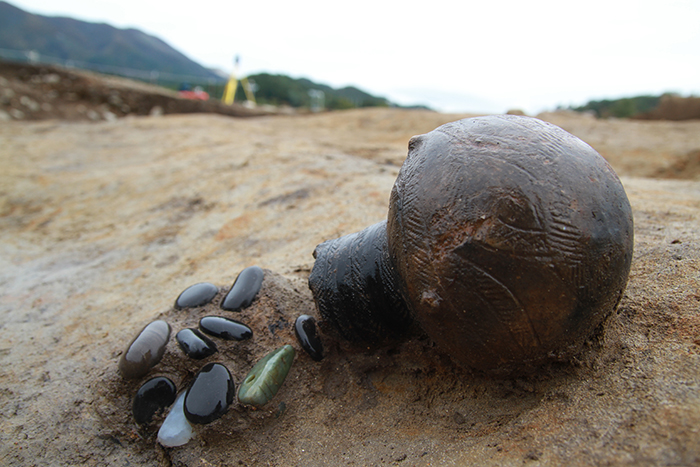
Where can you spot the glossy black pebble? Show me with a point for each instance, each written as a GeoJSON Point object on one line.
{"type": "Point", "coordinates": [195, 344]}
{"type": "Point", "coordinates": [155, 394]}
{"type": "Point", "coordinates": [244, 289]}
{"type": "Point", "coordinates": [210, 395]}
{"type": "Point", "coordinates": [145, 350]}
{"type": "Point", "coordinates": [305, 329]}
{"type": "Point", "coordinates": [196, 295]}
{"type": "Point", "coordinates": [225, 328]}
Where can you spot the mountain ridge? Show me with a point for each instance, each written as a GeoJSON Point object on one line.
{"type": "Point", "coordinates": [93, 43]}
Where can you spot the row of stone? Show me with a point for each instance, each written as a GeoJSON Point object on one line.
{"type": "Point", "coordinates": [196, 345]}
{"type": "Point", "coordinates": [148, 347]}
{"type": "Point", "coordinates": [241, 295]}
{"type": "Point", "coordinates": [210, 395]}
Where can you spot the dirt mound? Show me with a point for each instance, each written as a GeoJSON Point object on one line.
{"type": "Point", "coordinates": [39, 92]}
{"type": "Point", "coordinates": [674, 108]}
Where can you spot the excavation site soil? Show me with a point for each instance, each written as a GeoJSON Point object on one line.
{"type": "Point", "coordinates": [107, 218]}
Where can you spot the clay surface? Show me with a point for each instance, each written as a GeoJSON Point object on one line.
{"type": "Point", "coordinates": [104, 224]}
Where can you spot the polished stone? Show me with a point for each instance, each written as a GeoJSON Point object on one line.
{"type": "Point", "coordinates": [175, 430]}
{"type": "Point", "coordinates": [266, 377]}
{"type": "Point", "coordinates": [307, 334]}
{"type": "Point", "coordinates": [154, 395]}
{"type": "Point", "coordinates": [195, 344]}
{"type": "Point", "coordinates": [196, 295]}
{"type": "Point", "coordinates": [225, 328]}
{"type": "Point", "coordinates": [244, 289]}
{"type": "Point", "coordinates": [210, 394]}
{"type": "Point", "coordinates": [145, 350]}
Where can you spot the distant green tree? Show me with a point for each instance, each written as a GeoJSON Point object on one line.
{"type": "Point", "coordinates": [375, 102]}
{"type": "Point", "coordinates": [283, 90]}
{"type": "Point", "coordinates": [339, 103]}
{"type": "Point", "coordinates": [620, 108]}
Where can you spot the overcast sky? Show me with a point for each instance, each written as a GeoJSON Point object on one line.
{"type": "Point", "coordinates": [456, 56]}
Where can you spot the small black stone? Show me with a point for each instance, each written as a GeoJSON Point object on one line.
{"type": "Point", "coordinates": [225, 328]}
{"type": "Point", "coordinates": [244, 289]}
{"type": "Point", "coordinates": [305, 329]}
{"type": "Point", "coordinates": [195, 344]}
{"type": "Point", "coordinates": [196, 295]}
{"type": "Point", "coordinates": [145, 350]}
{"type": "Point", "coordinates": [155, 394]}
{"type": "Point", "coordinates": [210, 395]}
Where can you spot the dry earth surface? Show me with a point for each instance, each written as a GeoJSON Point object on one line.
{"type": "Point", "coordinates": [105, 223]}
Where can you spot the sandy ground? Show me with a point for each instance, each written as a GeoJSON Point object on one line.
{"type": "Point", "coordinates": [105, 223]}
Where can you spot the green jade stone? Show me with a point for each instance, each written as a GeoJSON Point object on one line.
{"type": "Point", "coordinates": [266, 377]}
